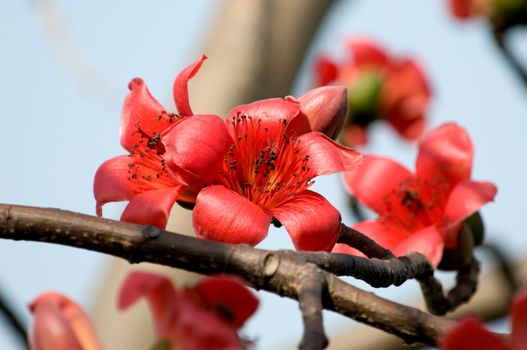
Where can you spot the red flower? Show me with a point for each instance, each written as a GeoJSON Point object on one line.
{"type": "Point", "coordinates": [60, 324]}
{"type": "Point", "coordinates": [206, 316]}
{"type": "Point", "coordinates": [379, 87]}
{"type": "Point", "coordinates": [141, 177]}
{"type": "Point", "coordinates": [257, 165]}
{"type": "Point", "coordinates": [424, 211]}
{"type": "Point", "coordinates": [470, 334]}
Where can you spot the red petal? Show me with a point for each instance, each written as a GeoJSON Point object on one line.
{"type": "Point", "coordinates": [224, 215]}
{"type": "Point", "coordinates": [327, 156]}
{"type": "Point", "coordinates": [311, 221]}
{"type": "Point", "coordinates": [160, 293]}
{"type": "Point", "coordinates": [374, 180]}
{"type": "Point", "coordinates": [326, 70]}
{"type": "Point", "coordinates": [152, 207]}
{"type": "Point", "coordinates": [462, 9]}
{"type": "Point", "coordinates": [197, 145]}
{"type": "Point", "coordinates": [366, 53]}
{"type": "Point", "coordinates": [427, 241]}
{"type": "Point", "coordinates": [140, 109]}
{"type": "Point", "coordinates": [181, 86]}
{"type": "Point", "coordinates": [198, 329]}
{"type": "Point", "coordinates": [111, 183]}
{"type": "Point", "coordinates": [519, 321]}
{"type": "Point", "coordinates": [324, 109]}
{"type": "Point", "coordinates": [409, 129]}
{"type": "Point", "coordinates": [274, 113]}
{"type": "Point", "coordinates": [60, 324]}
{"type": "Point", "coordinates": [354, 135]}
{"type": "Point", "coordinates": [466, 199]}
{"type": "Point", "coordinates": [448, 151]}
{"type": "Point", "coordinates": [230, 293]}
{"type": "Point", "coordinates": [469, 334]}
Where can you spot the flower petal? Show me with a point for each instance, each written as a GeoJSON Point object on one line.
{"type": "Point", "coordinates": [324, 109]}
{"type": "Point", "coordinates": [197, 145]}
{"type": "Point", "coordinates": [466, 199]}
{"type": "Point", "coordinates": [327, 156]}
{"type": "Point", "coordinates": [181, 86]}
{"type": "Point", "coordinates": [223, 215]}
{"type": "Point", "coordinates": [111, 183]}
{"type": "Point", "coordinates": [140, 110]}
{"type": "Point", "coordinates": [469, 334]}
{"type": "Point", "coordinates": [462, 9]}
{"type": "Point", "coordinates": [228, 294]}
{"type": "Point", "coordinates": [366, 53]}
{"type": "Point", "coordinates": [311, 221]}
{"type": "Point", "coordinates": [326, 70]}
{"type": "Point", "coordinates": [274, 113]}
{"type": "Point", "coordinates": [354, 135]}
{"type": "Point", "coordinates": [374, 180]}
{"type": "Point", "coordinates": [427, 241]}
{"type": "Point", "coordinates": [60, 324]}
{"type": "Point", "coordinates": [519, 321]}
{"type": "Point", "coordinates": [160, 294]}
{"type": "Point", "coordinates": [152, 207]}
{"type": "Point", "coordinates": [447, 151]}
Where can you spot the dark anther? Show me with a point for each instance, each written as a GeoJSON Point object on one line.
{"type": "Point", "coordinates": [276, 223]}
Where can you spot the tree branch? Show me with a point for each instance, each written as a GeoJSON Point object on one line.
{"type": "Point", "coordinates": [277, 272]}
{"type": "Point", "coordinates": [363, 243]}
{"type": "Point", "coordinates": [514, 63]}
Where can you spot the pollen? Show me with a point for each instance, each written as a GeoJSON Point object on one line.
{"type": "Point", "coordinates": [265, 164]}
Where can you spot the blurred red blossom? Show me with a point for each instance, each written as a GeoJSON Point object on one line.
{"type": "Point", "coordinates": [424, 211]}
{"type": "Point", "coordinates": [380, 87]}
{"type": "Point", "coordinates": [501, 13]}
{"type": "Point", "coordinates": [141, 177]}
{"type": "Point", "coordinates": [60, 324]}
{"type": "Point", "coordinates": [257, 166]}
{"type": "Point", "coordinates": [206, 316]}
{"type": "Point", "coordinates": [469, 334]}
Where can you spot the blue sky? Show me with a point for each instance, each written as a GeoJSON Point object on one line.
{"type": "Point", "coordinates": [59, 117]}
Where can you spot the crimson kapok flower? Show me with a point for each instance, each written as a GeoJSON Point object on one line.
{"type": "Point", "coordinates": [422, 211]}
{"type": "Point", "coordinates": [257, 166]}
{"type": "Point", "coordinates": [141, 177]}
{"type": "Point", "coordinates": [469, 334]}
{"type": "Point", "coordinates": [60, 324]}
{"type": "Point", "coordinates": [206, 316]}
{"type": "Point", "coordinates": [380, 87]}
{"type": "Point", "coordinates": [501, 13]}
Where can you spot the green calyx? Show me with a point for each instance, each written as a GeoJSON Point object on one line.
{"type": "Point", "coordinates": [363, 97]}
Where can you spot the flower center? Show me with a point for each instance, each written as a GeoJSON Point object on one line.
{"type": "Point", "coordinates": [265, 164]}
{"type": "Point", "coordinates": [417, 203]}
{"type": "Point", "coordinates": [147, 166]}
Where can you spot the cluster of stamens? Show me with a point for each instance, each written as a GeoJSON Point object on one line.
{"type": "Point", "coordinates": [265, 164]}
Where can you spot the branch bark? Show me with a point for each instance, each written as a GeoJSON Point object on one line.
{"type": "Point", "coordinates": [277, 272]}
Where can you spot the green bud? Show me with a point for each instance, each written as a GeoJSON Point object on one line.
{"type": "Point", "coordinates": [363, 97]}
{"type": "Point", "coordinates": [475, 223]}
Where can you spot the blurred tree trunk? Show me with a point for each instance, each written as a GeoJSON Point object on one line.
{"type": "Point", "coordinates": [255, 50]}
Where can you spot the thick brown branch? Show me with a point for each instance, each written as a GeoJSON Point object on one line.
{"type": "Point", "coordinates": [310, 291]}
{"type": "Point", "coordinates": [276, 272]}
{"type": "Point", "coordinates": [363, 243]}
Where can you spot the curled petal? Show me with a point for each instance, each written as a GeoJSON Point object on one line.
{"type": "Point", "coordinates": [410, 129]}
{"type": "Point", "coordinates": [427, 241]}
{"type": "Point", "coordinates": [519, 321]}
{"type": "Point", "coordinates": [326, 70]}
{"type": "Point", "coordinates": [324, 109]}
{"type": "Point", "coordinates": [273, 113]}
{"type": "Point", "coordinates": [60, 324]}
{"type": "Point", "coordinates": [140, 110]}
{"type": "Point", "coordinates": [366, 53]}
{"type": "Point", "coordinates": [326, 156]}
{"type": "Point", "coordinates": [469, 334]}
{"type": "Point", "coordinates": [447, 151]}
{"type": "Point", "coordinates": [197, 145]}
{"type": "Point", "coordinates": [374, 179]}
{"type": "Point", "coordinates": [311, 221]}
{"type": "Point", "coordinates": [223, 215]}
{"type": "Point", "coordinates": [230, 296]}
{"type": "Point", "coordinates": [152, 207]}
{"type": "Point", "coordinates": [466, 199]}
{"type": "Point", "coordinates": [181, 86]}
{"type": "Point", "coordinates": [158, 291]}
{"type": "Point", "coordinates": [111, 182]}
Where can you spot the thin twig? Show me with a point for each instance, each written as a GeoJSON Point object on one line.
{"type": "Point", "coordinates": [363, 243]}
{"type": "Point", "coordinates": [514, 63]}
{"type": "Point", "coordinates": [356, 209]}
{"type": "Point", "coordinates": [276, 272]}
{"type": "Point", "coordinates": [18, 327]}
